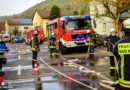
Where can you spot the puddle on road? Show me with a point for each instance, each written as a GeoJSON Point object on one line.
{"type": "Point", "coordinates": [56, 82]}
{"type": "Point", "coordinates": [100, 61]}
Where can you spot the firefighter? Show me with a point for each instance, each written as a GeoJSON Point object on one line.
{"type": "Point", "coordinates": [122, 53]}
{"type": "Point", "coordinates": [90, 39]}
{"type": "Point", "coordinates": [110, 42]}
{"type": "Point", "coordinates": [52, 45]}
{"type": "Point", "coordinates": [95, 35]}
{"type": "Point", "coordinates": [35, 47]}
{"type": "Point", "coordinates": [3, 49]}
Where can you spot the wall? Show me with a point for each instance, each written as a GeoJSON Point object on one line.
{"type": "Point", "coordinates": [104, 24]}
{"type": "Point", "coordinates": [44, 25]}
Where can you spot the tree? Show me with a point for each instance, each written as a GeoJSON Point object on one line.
{"type": "Point", "coordinates": [84, 5]}
{"type": "Point", "coordinates": [55, 12]}
{"type": "Point", "coordinates": [16, 32]}
{"type": "Point", "coordinates": [82, 12]}
{"type": "Point", "coordinates": [75, 12]}
{"type": "Point", "coordinates": [112, 9]}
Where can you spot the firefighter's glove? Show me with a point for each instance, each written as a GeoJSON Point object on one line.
{"type": "Point", "coordinates": [4, 61]}
{"type": "Point", "coordinates": [105, 43]}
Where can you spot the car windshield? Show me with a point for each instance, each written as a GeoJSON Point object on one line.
{"type": "Point", "coordinates": [78, 24]}
{"type": "Point", "coordinates": [18, 37]}
{"type": "Point", "coordinates": [5, 36]}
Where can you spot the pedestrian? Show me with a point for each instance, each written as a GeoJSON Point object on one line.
{"type": "Point", "coordinates": [52, 45]}
{"type": "Point", "coordinates": [110, 42]}
{"type": "Point", "coordinates": [122, 53]}
{"type": "Point", "coordinates": [35, 47]}
{"type": "Point", "coordinates": [3, 49]}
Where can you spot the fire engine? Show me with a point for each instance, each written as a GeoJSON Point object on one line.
{"type": "Point", "coordinates": [29, 33]}
{"type": "Point", "coordinates": [70, 31]}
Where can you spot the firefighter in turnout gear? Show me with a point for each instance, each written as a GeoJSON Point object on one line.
{"type": "Point", "coordinates": [35, 47]}
{"type": "Point", "coordinates": [110, 42]}
{"type": "Point", "coordinates": [3, 49]}
{"type": "Point", "coordinates": [122, 53]}
{"type": "Point", "coordinates": [90, 40]}
{"type": "Point", "coordinates": [52, 45]}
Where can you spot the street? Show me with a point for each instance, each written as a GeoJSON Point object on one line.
{"type": "Point", "coordinates": [19, 72]}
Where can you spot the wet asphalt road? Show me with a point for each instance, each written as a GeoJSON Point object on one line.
{"type": "Point", "coordinates": [19, 72]}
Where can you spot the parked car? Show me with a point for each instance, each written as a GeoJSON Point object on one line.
{"type": "Point", "coordinates": [6, 38]}
{"type": "Point", "coordinates": [16, 39]}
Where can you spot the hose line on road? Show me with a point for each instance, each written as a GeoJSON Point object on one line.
{"type": "Point", "coordinates": [67, 76]}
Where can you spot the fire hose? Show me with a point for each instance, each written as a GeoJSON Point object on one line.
{"type": "Point", "coordinates": [107, 83]}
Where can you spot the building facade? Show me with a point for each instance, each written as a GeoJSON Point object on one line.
{"type": "Point", "coordinates": [40, 18]}
{"type": "Point", "coordinates": [18, 24]}
{"type": "Point", "coordinates": [2, 27]}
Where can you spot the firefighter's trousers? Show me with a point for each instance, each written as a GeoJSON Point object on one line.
{"type": "Point", "coordinates": [1, 62]}
{"type": "Point", "coordinates": [34, 57]}
{"type": "Point", "coordinates": [113, 72]}
{"type": "Point", "coordinates": [52, 51]}
{"type": "Point", "coordinates": [91, 51]}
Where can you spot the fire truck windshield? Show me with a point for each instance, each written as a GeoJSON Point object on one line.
{"type": "Point", "coordinates": [78, 24]}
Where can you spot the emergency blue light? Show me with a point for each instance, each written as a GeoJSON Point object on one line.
{"type": "Point", "coordinates": [83, 37]}
{"type": "Point", "coordinates": [77, 38]}
{"type": "Point", "coordinates": [66, 17]}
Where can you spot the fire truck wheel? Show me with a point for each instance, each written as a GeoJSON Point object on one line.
{"type": "Point", "coordinates": [62, 49]}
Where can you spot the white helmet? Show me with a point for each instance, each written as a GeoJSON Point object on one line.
{"type": "Point", "coordinates": [112, 32]}
{"type": "Point", "coordinates": [35, 32]}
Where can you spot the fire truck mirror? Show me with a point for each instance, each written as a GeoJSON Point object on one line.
{"type": "Point", "coordinates": [62, 26]}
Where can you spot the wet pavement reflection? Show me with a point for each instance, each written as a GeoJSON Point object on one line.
{"type": "Point", "coordinates": [58, 82]}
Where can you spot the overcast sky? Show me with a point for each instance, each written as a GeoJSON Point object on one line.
{"type": "Point", "coordinates": [9, 7]}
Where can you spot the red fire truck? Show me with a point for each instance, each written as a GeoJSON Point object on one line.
{"type": "Point", "coordinates": [70, 31]}
{"type": "Point", "coordinates": [29, 33]}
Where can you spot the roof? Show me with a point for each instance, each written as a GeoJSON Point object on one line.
{"type": "Point", "coordinates": [44, 14]}
{"type": "Point", "coordinates": [2, 26]}
{"type": "Point", "coordinates": [19, 21]}
{"type": "Point", "coordinates": [125, 15]}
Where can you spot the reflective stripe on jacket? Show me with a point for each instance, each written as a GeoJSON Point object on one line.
{"type": "Point", "coordinates": [35, 44]}
{"type": "Point", "coordinates": [122, 53]}
{"type": "Point", "coordinates": [52, 42]}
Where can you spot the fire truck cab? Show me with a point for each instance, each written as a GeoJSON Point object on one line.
{"type": "Point", "coordinates": [70, 31]}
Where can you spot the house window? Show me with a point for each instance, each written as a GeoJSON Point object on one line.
{"type": "Point", "coordinates": [104, 27]}
{"type": "Point", "coordinates": [40, 23]}
{"type": "Point", "coordinates": [25, 27]}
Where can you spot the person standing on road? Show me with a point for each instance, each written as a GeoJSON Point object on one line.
{"type": "Point", "coordinates": [3, 49]}
{"type": "Point", "coordinates": [52, 45]}
{"type": "Point", "coordinates": [35, 47]}
{"type": "Point", "coordinates": [122, 53]}
{"type": "Point", "coordinates": [110, 42]}
{"type": "Point", "coordinates": [90, 39]}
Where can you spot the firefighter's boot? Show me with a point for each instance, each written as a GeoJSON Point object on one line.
{"type": "Point", "coordinates": [56, 56]}
{"type": "Point", "coordinates": [1, 73]}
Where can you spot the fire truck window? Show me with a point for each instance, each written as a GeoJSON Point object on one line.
{"type": "Point", "coordinates": [55, 25]}
{"type": "Point", "coordinates": [78, 24]}
{"type": "Point", "coordinates": [62, 26]}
